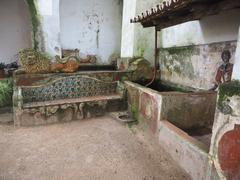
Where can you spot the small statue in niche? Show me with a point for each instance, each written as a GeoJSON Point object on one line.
{"type": "Point", "coordinates": [224, 72]}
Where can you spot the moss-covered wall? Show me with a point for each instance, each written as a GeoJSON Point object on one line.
{"type": "Point", "coordinates": [45, 26]}
{"type": "Point", "coordinates": [193, 66]}
{"type": "Point", "coordinates": [178, 60]}
{"type": "Point", "coordinates": [35, 18]}
{"type": "Point", "coordinates": [226, 91]}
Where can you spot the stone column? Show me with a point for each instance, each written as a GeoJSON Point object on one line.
{"type": "Point", "coordinates": [50, 26]}
{"type": "Point", "coordinates": [225, 144]}
{"type": "Point", "coordinates": [129, 11]}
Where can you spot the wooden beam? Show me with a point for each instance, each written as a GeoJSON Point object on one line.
{"type": "Point", "coordinates": [190, 13]}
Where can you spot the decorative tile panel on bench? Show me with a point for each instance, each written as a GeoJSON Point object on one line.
{"type": "Point", "coordinates": [68, 88]}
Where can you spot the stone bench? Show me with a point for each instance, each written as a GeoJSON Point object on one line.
{"type": "Point", "coordinates": [62, 99]}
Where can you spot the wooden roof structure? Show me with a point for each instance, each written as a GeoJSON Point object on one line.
{"type": "Point", "coordinates": [173, 12]}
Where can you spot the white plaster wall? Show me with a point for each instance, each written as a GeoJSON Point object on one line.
{"type": "Point", "coordinates": [217, 28]}
{"type": "Point", "coordinates": [129, 11]}
{"type": "Point", "coordinates": [92, 26]}
{"type": "Point", "coordinates": [144, 37]}
{"type": "Point", "coordinates": [15, 29]}
{"type": "Point", "coordinates": [236, 69]}
{"type": "Point", "coordinates": [49, 26]}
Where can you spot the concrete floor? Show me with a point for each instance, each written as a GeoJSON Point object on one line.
{"type": "Point", "coordinates": [92, 149]}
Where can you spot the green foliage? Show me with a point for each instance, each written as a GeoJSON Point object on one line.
{"type": "Point", "coordinates": [227, 90]}
{"type": "Point", "coordinates": [141, 51]}
{"type": "Point", "coordinates": [134, 110]}
{"type": "Point", "coordinates": [35, 21]}
{"type": "Point", "coordinates": [6, 91]}
{"type": "Point", "coordinates": [2, 66]}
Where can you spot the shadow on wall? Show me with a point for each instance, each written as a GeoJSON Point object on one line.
{"type": "Point", "coordinates": [15, 31]}
{"type": "Point", "coordinates": [222, 27]}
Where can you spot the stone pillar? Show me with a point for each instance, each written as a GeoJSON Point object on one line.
{"type": "Point", "coordinates": [50, 26]}
{"type": "Point", "coordinates": [129, 11]}
{"type": "Point", "coordinates": [225, 144]}
{"type": "Point", "coordinates": [45, 26]}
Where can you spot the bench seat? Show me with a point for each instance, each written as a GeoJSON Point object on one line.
{"type": "Point", "coordinates": [72, 101]}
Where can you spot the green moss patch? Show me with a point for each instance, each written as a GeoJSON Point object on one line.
{"type": "Point", "coordinates": [134, 113]}
{"type": "Point", "coordinates": [178, 60]}
{"type": "Point", "coordinates": [134, 110]}
{"type": "Point", "coordinates": [227, 90]}
{"type": "Point", "coordinates": [35, 21]}
{"type": "Point", "coordinates": [6, 92]}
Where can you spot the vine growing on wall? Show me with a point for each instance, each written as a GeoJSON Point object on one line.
{"type": "Point", "coordinates": [35, 22]}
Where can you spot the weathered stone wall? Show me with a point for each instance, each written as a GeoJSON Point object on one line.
{"type": "Point", "coordinates": [45, 26]}
{"type": "Point", "coordinates": [191, 110]}
{"type": "Point", "coordinates": [193, 66]}
{"type": "Point", "coordinates": [49, 26]}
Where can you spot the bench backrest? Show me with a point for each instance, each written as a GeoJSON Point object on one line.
{"type": "Point", "coordinates": [69, 87]}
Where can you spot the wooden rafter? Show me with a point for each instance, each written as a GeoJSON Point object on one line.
{"type": "Point", "coordinates": [173, 12]}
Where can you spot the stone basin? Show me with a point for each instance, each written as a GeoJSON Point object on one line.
{"type": "Point", "coordinates": [185, 109]}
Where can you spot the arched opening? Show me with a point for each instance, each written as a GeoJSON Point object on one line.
{"type": "Point", "coordinates": [93, 27]}
{"type": "Point", "coordinates": [15, 31]}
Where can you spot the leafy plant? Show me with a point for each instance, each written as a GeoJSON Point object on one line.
{"type": "Point", "coordinates": [2, 66]}
{"type": "Point", "coordinates": [6, 91]}
{"type": "Point", "coordinates": [227, 90]}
